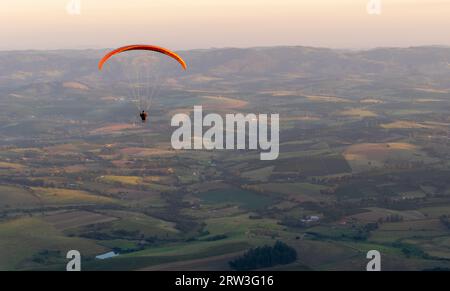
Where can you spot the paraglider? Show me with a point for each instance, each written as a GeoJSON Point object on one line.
{"type": "Point", "coordinates": [143, 115]}
{"type": "Point", "coordinates": [140, 88]}
{"type": "Point", "coordinates": [142, 47]}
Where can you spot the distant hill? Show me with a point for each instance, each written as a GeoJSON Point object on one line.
{"type": "Point", "coordinates": [280, 64]}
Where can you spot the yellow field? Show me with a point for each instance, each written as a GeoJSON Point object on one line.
{"type": "Point", "coordinates": [404, 124]}
{"type": "Point", "coordinates": [199, 78]}
{"type": "Point", "coordinates": [148, 182]}
{"type": "Point", "coordinates": [167, 180]}
{"type": "Point", "coordinates": [154, 179]}
{"type": "Point", "coordinates": [431, 90]}
{"type": "Point", "coordinates": [128, 180]}
{"type": "Point", "coordinates": [358, 112]}
{"type": "Point", "coordinates": [332, 99]}
{"type": "Point", "coordinates": [25, 150]}
{"type": "Point", "coordinates": [146, 152]}
{"type": "Point", "coordinates": [427, 100]}
{"type": "Point", "coordinates": [371, 101]}
{"type": "Point", "coordinates": [66, 196]}
{"type": "Point", "coordinates": [75, 85]}
{"type": "Point", "coordinates": [282, 93]}
{"type": "Point", "coordinates": [375, 150]}
{"type": "Point", "coordinates": [11, 166]}
{"type": "Point", "coordinates": [367, 155]}
{"type": "Point", "coordinates": [220, 102]}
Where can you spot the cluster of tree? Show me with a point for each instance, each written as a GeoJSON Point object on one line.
{"type": "Point", "coordinates": [215, 237]}
{"type": "Point", "coordinates": [207, 238]}
{"type": "Point", "coordinates": [406, 204]}
{"type": "Point", "coordinates": [264, 257]}
{"type": "Point", "coordinates": [355, 233]}
{"type": "Point", "coordinates": [121, 250]}
{"type": "Point", "coordinates": [46, 257]}
{"type": "Point", "coordinates": [361, 233]}
{"type": "Point", "coordinates": [372, 226]}
{"type": "Point", "coordinates": [410, 250]}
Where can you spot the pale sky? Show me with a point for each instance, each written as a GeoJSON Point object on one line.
{"type": "Point", "coordinates": [188, 24]}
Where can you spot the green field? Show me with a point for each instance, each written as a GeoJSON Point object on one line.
{"type": "Point", "coordinates": [243, 198]}
{"type": "Point", "coordinates": [23, 238]}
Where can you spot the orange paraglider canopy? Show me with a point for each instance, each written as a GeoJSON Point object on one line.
{"type": "Point", "coordinates": [142, 47]}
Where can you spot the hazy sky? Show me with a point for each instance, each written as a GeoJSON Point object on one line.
{"type": "Point", "coordinates": [186, 24]}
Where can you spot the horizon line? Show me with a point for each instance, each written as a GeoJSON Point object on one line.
{"type": "Point", "coordinates": [238, 47]}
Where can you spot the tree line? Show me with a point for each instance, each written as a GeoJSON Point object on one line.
{"type": "Point", "coordinates": [264, 257]}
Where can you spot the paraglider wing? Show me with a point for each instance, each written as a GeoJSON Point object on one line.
{"type": "Point", "coordinates": [142, 47]}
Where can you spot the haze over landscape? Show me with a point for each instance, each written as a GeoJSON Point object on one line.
{"type": "Point", "coordinates": [188, 24]}
{"type": "Point", "coordinates": [364, 161]}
